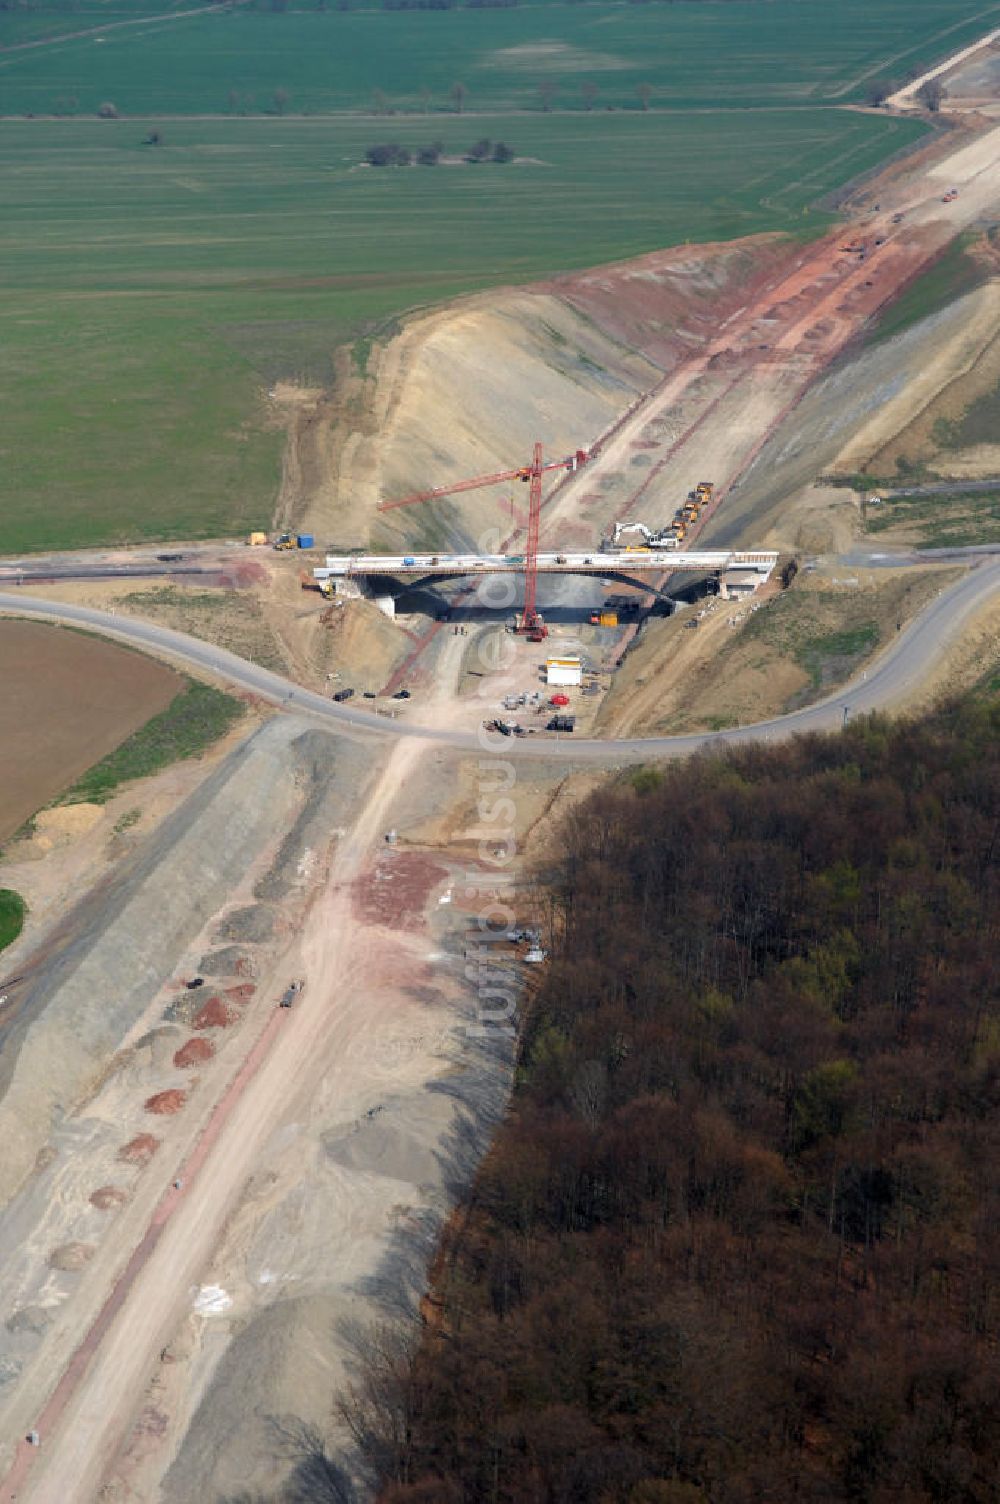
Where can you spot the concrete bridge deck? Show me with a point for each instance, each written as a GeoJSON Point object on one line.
{"type": "Point", "coordinates": [636, 561]}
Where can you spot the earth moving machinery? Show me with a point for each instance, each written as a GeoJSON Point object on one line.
{"type": "Point", "coordinates": [530, 621]}
{"type": "Point", "coordinates": [327, 588]}
{"type": "Point", "coordinates": [704, 491]}
{"type": "Point", "coordinates": [283, 542]}
{"type": "Point", "coordinates": [661, 538]}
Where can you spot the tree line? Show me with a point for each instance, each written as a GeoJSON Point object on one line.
{"type": "Point", "coordinates": [739, 1236]}
{"type": "Point", "coordinates": [391, 154]}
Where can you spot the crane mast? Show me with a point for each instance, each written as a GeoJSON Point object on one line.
{"type": "Point", "coordinates": [530, 620]}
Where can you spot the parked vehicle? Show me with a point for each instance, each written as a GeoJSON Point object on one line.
{"type": "Point", "coordinates": [343, 694]}
{"type": "Point", "coordinates": [290, 994]}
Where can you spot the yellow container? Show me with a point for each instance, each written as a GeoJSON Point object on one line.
{"type": "Point", "coordinates": [256, 540]}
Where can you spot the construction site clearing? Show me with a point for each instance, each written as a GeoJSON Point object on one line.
{"type": "Point", "coordinates": [214, 1194]}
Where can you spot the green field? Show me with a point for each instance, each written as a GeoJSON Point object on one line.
{"type": "Point", "coordinates": [153, 293]}
{"type": "Point", "coordinates": [693, 54]}
{"type": "Point", "coordinates": [12, 911]}
{"type": "Point", "coordinates": [956, 520]}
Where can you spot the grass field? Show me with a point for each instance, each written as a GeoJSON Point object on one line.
{"type": "Point", "coordinates": [12, 911]}
{"type": "Point", "coordinates": [693, 54]}
{"type": "Point", "coordinates": [151, 294]}
{"type": "Point", "coordinates": [951, 521]}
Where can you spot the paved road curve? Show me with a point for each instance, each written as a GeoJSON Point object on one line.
{"type": "Point", "coordinates": [895, 675]}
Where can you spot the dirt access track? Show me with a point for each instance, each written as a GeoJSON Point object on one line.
{"type": "Point", "coordinates": [300, 1183]}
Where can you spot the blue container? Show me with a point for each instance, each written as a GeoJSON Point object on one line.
{"type": "Point", "coordinates": [305, 540]}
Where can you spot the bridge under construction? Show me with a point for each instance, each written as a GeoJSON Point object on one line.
{"type": "Point", "coordinates": [629, 566]}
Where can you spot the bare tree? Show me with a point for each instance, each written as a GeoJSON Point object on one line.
{"type": "Point", "coordinates": [380, 103]}
{"type": "Point", "coordinates": [107, 110]}
{"type": "Point", "coordinates": [457, 95]}
{"type": "Point", "coordinates": [589, 92]}
{"type": "Point", "coordinates": [279, 100]}
{"type": "Point", "coordinates": [645, 93]}
{"type": "Point", "coordinates": [878, 92]}
{"type": "Point", "coordinates": [932, 94]}
{"type": "Point", "coordinates": [425, 100]}
{"type": "Point", "coordinates": [547, 91]}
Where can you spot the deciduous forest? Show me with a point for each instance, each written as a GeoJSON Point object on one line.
{"type": "Point", "coordinates": [739, 1237]}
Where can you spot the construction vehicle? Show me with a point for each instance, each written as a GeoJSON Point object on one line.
{"type": "Point", "coordinates": [283, 542]}
{"type": "Point", "coordinates": [662, 538]}
{"type": "Point", "coordinates": [290, 994]}
{"type": "Point", "coordinates": [704, 491]}
{"type": "Point", "coordinates": [530, 620]}
{"type": "Point", "coordinates": [604, 618]}
{"type": "Point", "coordinates": [327, 588]}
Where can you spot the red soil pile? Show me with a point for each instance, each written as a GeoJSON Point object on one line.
{"type": "Point", "coordinates": [166, 1102]}
{"type": "Point", "coordinates": [106, 1197]}
{"type": "Point", "coordinates": [241, 994]}
{"type": "Point", "coordinates": [193, 1053]}
{"type": "Point", "coordinates": [212, 1015]}
{"type": "Point", "coordinates": [139, 1150]}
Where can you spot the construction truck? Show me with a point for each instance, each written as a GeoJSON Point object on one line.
{"type": "Point", "coordinates": [662, 538]}
{"type": "Point", "coordinates": [283, 542]}
{"type": "Point", "coordinates": [704, 491]}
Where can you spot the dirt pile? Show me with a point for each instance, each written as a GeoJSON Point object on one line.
{"type": "Point", "coordinates": [165, 1103]}
{"type": "Point", "coordinates": [195, 1052]}
{"type": "Point", "coordinates": [212, 1015]}
{"type": "Point", "coordinates": [139, 1150]}
{"type": "Point", "coordinates": [107, 1197]}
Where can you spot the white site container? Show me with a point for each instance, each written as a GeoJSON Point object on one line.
{"type": "Point", "coordinates": [567, 672]}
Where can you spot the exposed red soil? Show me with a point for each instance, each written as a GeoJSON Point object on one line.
{"type": "Point", "coordinates": [107, 1197]}
{"type": "Point", "coordinates": [655, 304]}
{"type": "Point", "coordinates": [194, 1053]}
{"type": "Point", "coordinates": [166, 1102]}
{"type": "Point", "coordinates": [242, 993]}
{"type": "Point", "coordinates": [140, 1149]}
{"type": "Point", "coordinates": [394, 891]}
{"type": "Point", "coordinates": [212, 1015]}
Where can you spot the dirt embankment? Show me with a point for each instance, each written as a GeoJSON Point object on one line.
{"type": "Point", "coordinates": [90, 980]}
{"type": "Point", "coordinates": [468, 389]}
{"type": "Point", "coordinates": [741, 665]}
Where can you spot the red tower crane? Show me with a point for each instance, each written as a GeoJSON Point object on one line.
{"type": "Point", "coordinates": [530, 620]}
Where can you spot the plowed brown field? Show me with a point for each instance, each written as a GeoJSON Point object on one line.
{"type": "Point", "coordinates": [67, 701]}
